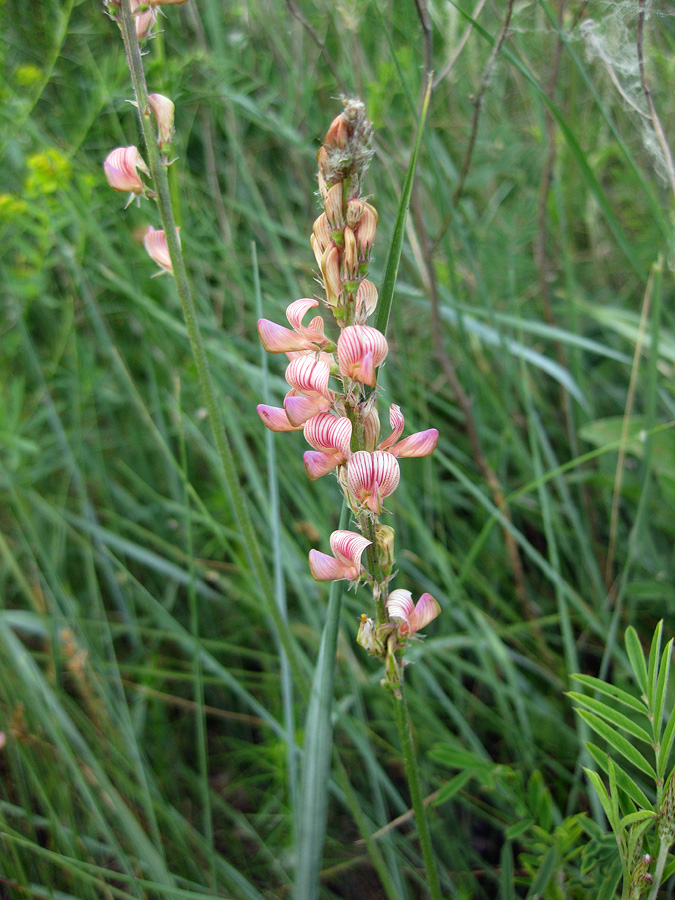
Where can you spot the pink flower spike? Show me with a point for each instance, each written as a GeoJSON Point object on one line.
{"type": "Point", "coordinates": [275, 418]}
{"type": "Point", "coordinates": [348, 547]}
{"type": "Point", "coordinates": [156, 246]}
{"type": "Point", "coordinates": [360, 350]}
{"type": "Point", "coordinates": [121, 170]}
{"type": "Point", "coordinates": [414, 616]}
{"type": "Point", "coordinates": [371, 477]}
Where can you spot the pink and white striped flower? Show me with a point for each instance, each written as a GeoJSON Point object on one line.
{"type": "Point", "coordinates": [331, 438]}
{"type": "Point", "coordinates": [422, 443]}
{"type": "Point", "coordinates": [360, 350]}
{"type": "Point", "coordinates": [276, 418]}
{"type": "Point", "coordinates": [121, 170]}
{"type": "Point", "coordinates": [310, 394]}
{"type": "Point", "coordinates": [413, 616]}
{"type": "Point", "coordinates": [371, 477]}
{"type": "Point", "coordinates": [321, 238]}
{"type": "Point", "coordinates": [347, 547]}
{"type": "Point", "coordinates": [279, 339]}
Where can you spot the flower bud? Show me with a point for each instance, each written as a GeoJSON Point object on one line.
{"type": "Point", "coordinates": [365, 234]}
{"type": "Point", "coordinates": [144, 19]}
{"type": "Point", "coordinates": [157, 248]}
{"type": "Point", "coordinates": [346, 151]}
{"type": "Point", "coordinates": [384, 541]}
{"type": "Point", "coordinates": [163, 109]}
{"type": "Point", "coordinates": [121, 170]}
{"type": "Point", "coordinates": [366, 636]}
{"type": "Point", "coordinates": [351, 259]}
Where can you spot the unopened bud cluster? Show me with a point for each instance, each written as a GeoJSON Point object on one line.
{"type": "Point", "coordinates": [667, 813]}
{"type": "Point", "coordinates": [124, 166]}
{"type": "Point", "coordinates": [333, 394]}
{"type": "Point", "coordinates": [641, 880]}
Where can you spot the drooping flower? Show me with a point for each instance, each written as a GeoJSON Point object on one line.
{"type": "Point", "coordinates": [360, 350]}
{"type": "Point", "coordinates": [347, 547]}
{"type": "Point", "coordinates": [413, 616]}
{"type": "Point", "coordinates": [331, 438]}
{"type": "Point", "coordinates": [279, 339]}
{"type": "Point", "coordinates": [121, 170]}
{"type": "Point", "coordinates": [157, 248]}
{"type": "Point", "coordinates": [422, 443]}
{"type": "Point", "coordinates": [144, 19]}
{"type": "Point", "coordinates": [371, 477]}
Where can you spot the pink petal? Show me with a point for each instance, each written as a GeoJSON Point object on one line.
{"type": "Point", "coordinates": [329, 433]}
{"type": "Point", "coordinates": [300, 408]}
{"type": "Point", "coordinates": [386, 472]}
{"type": "Point", "coordinates": [348, 546]}
{"type": "Point", "coordinates": [333, 207]}
{"type": "Point", "coordinates": [157, 248]}
{"type": "Point", "coordinates": [309, 375]}
{"type": "Point", "coordinates": [360, 349]}
{"type": "Point", "coordinates": [366, 297]}
{"type": "Point", "coordinates": [326, 568]}
{"type": "Point", "coordinates": [275, 418]}
{"type": "Point", "coordinates": [278, 339]}
{"type": "Point", "coordinates": [318, 464]}
{"type": "Point", "coordinates": [397, 423]}
{"type": "Point", "coordinates": [322, 234]}
{"type": "Point", "coordinates": [360, 474]}
{"type": "Point", "coordinates": [426, 610]}
{"type": "Point", "coordinates": [297, 311]}
{"type": "Point", "coordinates": [330, 269]}
{"type": "Point", "coordinates": [422, 443]}
{"type": "Point", "coordinates": [120, 169]}
{"type": "Point", "coordinates": [371, 428]}
{"type": "Point", "coordinates": [400, 605]}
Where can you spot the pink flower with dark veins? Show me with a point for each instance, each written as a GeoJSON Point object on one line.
{"type": "Point", "coordinates": [413, 616]}
{"type": "Point", "coordinates": [348, 547]}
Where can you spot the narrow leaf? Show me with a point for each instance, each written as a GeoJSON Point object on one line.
{"type": "Point", "coordinates": [638, 816]}
{"type": "Point", "coordinates": [611, 690]}
{"type": "Point", "coordinates": [506, 887]}
{"type": "Point", "coordinates": [624, 781]}
{"type": "Point", "coordinates": [654, 653]}
{"type": "Point", "coordinates": [515, 831]}
{"type": "Point", "coordinates": [394, 255]}
{"type": "Point", "coordinates": [661, 685]}
{"type": "Point", "coordinates": [608, 887]}
{"type": "Point", "coordinates": [666, 745]}
{"type": "Point", "coordinates": [455, 784]}
{"type": "Point", "coordinates": [617, 741]}
{"type": "Point", "coordinates": [544, 874]}
{"type": "Point", "coordinates": [637, 659]}
{"type": "Point", "coordinates": [612, 715]}
{"type": "Point", "coordinates": [603, 796]}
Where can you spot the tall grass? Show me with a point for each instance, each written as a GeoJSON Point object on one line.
{"type": "Point", "coordinates": [146, 721]}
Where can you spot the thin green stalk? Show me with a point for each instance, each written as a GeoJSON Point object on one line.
{"type": "Point", "coordinates": [236, 495]}
{"type": "Point", "coordinates": [661, 860]}
{"type": "Point", "coordinates": [412, 774]}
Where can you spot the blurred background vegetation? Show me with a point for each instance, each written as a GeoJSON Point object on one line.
{"type": "Point", "coordinates": [533, 325]}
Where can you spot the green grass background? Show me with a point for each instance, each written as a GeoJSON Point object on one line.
{"type": "Point", "coordinates": [141, 697]}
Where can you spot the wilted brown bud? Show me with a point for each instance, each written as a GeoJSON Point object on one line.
{"type": "Point", "coordinates": [346, 151]}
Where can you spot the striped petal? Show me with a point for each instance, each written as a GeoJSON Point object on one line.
{"type": "Point", "coordinates": [397, 423]}
{"type": "Point", "coordinates": [348, 546]}
{"type": "Point", "coordinates": [400, 605]}
{"type": "Point", "coordinates": [329, 433]}
{"type": "Point", "coordinates": [309, 375]}
{"type": "Point", "coordinates": [372, 477]}
{"type": "Point", "coordinates": [330, 269]}
{"type": "Point", "coordinates": [297, 311]}
{"type": "Point", "coordinates": [426, 610]}
{"type": "Point", "coordinates": [422, 443]}
{"type": "Point", "coordinates": [275, 418]}
{"type": "Point", "coordinates": [360, 349]}
{"type": "Point", "coordinates": [321, 233]}
{"type": "Point", "coordinates": [371, 428]}
{"type": "Point", "coordinates": [333, 207]}
{"type": "Point", "coordinates": [157, 248]}
{"type": "Point", "coordinates": [366, 298]}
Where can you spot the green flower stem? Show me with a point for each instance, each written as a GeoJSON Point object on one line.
{"type": "Point", "coordinates": [412, 774]}
{"type": "Point", "coordinates": [661, 860]}
{"type": "Point", "coordinates": [367, 526]}
{"type": "Point", "coordinates": [236, 494]}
